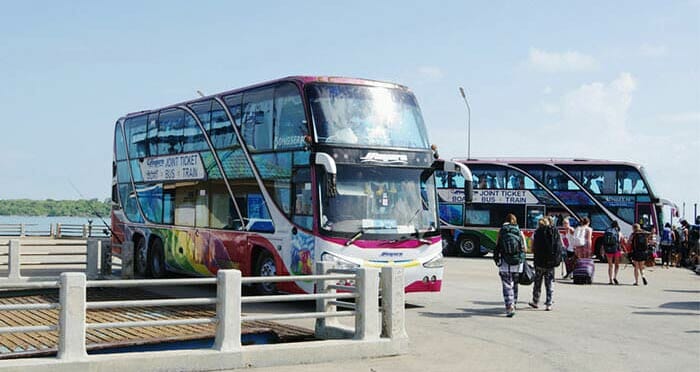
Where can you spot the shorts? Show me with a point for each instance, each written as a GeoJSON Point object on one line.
{"type": "Point", "coordinates": [610, 256]}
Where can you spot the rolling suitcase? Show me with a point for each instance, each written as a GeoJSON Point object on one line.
{"type": "Point", "coordinates": [583, 273]}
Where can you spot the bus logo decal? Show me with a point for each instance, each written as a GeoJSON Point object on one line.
{"type": "Point", "coordinates": [384, 158]}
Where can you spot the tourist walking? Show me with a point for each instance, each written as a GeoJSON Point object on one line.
{"type": "Point", "coordinates": [612, 241]}
{"type": "Point", "coordinates": [583, 235]}
{"type": "Point", "coordinates": [667, 239]}
{"type": "Point", "coordinates": [547, 248]}
{"type": "Point", "coordinates": [509, 256]}
{"type": "Point", "coordinates": [639, 253]}
{"type": "Point", "coordinates": [568, 241]}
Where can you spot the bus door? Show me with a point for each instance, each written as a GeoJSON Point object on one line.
{"type": "Point", "coordinates": [644, 216]}
{"type": "Point", "coordinates": [533, 213]}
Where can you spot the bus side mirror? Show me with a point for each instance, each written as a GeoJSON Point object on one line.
{"type": "Point", "coordinates": [328, 164]}
{"type": "Point", "coordinates": [468, 194]}
{"type": "Point", "coordinates": [451, 166]}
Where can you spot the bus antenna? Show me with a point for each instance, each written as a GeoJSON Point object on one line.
{"type": "Point", "coordinates": [200, 93]}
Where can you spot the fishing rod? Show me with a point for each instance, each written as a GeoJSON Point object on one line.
{"type": "Point", "coordinates": [96, 212]}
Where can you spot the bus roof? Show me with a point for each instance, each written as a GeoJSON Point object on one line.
{"type": "Point", "coordinates": [547, 161]}
{"type": "Point", "coordinates": [299, 79]}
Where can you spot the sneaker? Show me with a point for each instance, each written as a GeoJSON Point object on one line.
{"type": "Point", "coordinates": [634, 284]}
{"type": "Point", "coordinates": [644, 280]}
{"type": "Point", "coordinates": [616, 282]}
{"type": "Point", "coordinates": [510, 312]}
{"type": "Point", "coordinates": [548, 307]}
{"type": "Point", "coordinates": [533, 305]}
{"type": "Point", "coordinates": [610, 283]}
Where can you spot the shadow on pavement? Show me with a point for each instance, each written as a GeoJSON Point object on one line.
{"type": "Point", "coordinates": [682, 290]}
{"type": "Point", "coordinates": [467, 313]}
{"type": "Point", "coordinates": [689, 305]}
{"type": "Point", "coordinates": [663, 313]}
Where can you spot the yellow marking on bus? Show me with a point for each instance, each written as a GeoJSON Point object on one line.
{"type": "Point", "coordinates": [379, 265]}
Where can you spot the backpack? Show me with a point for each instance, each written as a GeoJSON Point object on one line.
{"type": "Point", "coordinates": [666, 236]}
{"type": "Point", "coordinates": [611, 240]}
{"type": "Point", "coordinates": [510, 244]}
{"type": "Point", "coordinates": [555, 246]}
{"type": "Point", "coordinates": [579, 237]}
{"type": "Point", "coordinates": [639, 242]}
{"type": "Point", "coordinates": [694, 233]}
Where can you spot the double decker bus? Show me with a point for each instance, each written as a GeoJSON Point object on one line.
{"type": "Point", "coordinates": [270, 178]}
{"type": "Point", "coordinates": [530, 188]}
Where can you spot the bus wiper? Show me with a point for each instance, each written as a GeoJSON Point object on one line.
{"type": "Point", "coordinates": [354, 237]}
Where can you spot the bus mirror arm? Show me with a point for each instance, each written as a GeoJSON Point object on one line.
{"type": "Point", "coordinates": [451, 166]}
{"type": "Point", "coordinates": [328, 164]}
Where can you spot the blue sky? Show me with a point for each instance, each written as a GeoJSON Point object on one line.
{"type": "Point", "coordinates": [599, 79]}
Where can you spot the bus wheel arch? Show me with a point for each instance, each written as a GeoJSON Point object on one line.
{"type": "Point", "coordinates": [156, 258]}
{"type": "Point", "coordinates": [263, 264]}
{"type": "Point", "coordinates": [140, 259]}
{"type": "Point", "coordinates": [469, 245]}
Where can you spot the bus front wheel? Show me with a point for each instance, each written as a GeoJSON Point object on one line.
{"type": "Point", "coordinates": [265, 266]}
{"type": "Point", "coordinates": [469, 246]}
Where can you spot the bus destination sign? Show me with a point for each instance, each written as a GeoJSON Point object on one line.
{"type": "Point", "coordinates": [173, 168]}
{"type": "Point", "coordinates": [489, 196]}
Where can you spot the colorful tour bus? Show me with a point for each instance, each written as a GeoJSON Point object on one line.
{"type": "Point", "coordinates": [604, 191]}
{"type": "Point", "coordinates": [270, 178]}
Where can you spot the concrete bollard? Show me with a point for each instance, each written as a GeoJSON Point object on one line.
{"type": "Point", "coordinates": [228, 310]}
{"type": "Point", "coordinates": [13, 260]}
{"type": "Point", "coordinates": [323, 325]}
{"type": "Point", "coordinates": [367, 317]}
{"type": "Point", "coordinates": [105, 258]}
{"type": "Point", "coordinates": [71, 321]}
{"type": "Point", "coordinates": [93, 255]}
{"type": "Point", "coordinates": [393, 303]}
{"type": "Point", "coordinates": [128, 260]}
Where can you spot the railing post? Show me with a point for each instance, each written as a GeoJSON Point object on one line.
{"type": "Point", "coordinates": [228, 310]}
{"type": "Point", "coordinates": [58, 230]}
{"type": "Point", "coordinates": [128, 260]}
{"type": "Point", "coordinates": [393, 303]}
{"type": "Point", "coordinates": [71, 321]}
{"type": "Point", "coordinates": [92, 258]}
{"type": "Point", "coordinates": [367, 307]}
{"type": "Point", "coordinates": [52, 231]}
{"type": "Point", "coordinates": [13, 260]}
{"type": "Point", "coordinates": [85, 231]}
{"type": "Point", "coordinates": [321, 328]}
{"type": "Point", "coordinates": [106, 258]}
{"type": "Point", "coordinates": [22, 230]}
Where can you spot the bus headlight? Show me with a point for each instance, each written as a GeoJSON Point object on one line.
{"type": "Point", "coordinates": [338, 262]}
{"type": "Point", "coordinates": [435, 262]}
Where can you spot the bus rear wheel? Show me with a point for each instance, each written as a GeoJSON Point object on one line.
{"type": "Point", "coordinates": [469, 246]}
{"type": "Point", "coordinates": [140, 257]}
{"type": "Point", "coordinates": [156, 261]}
{"type": "Point", "coordinates": [265, 266]}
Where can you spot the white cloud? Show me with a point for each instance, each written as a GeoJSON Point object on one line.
{"type": "Point", "coordinates": [431, 72]}
{"type": "Point", "coordinates": [560, 62]}
{"type": "Point", "coordinates": [681, 118]}
{"type": "Point", "coordinates": [652, 50]}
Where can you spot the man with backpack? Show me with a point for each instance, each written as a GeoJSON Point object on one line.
{"type": "Point", "coordinates": [694, 243]}
{"type": "Point", "coordinates": [667, 239]}
{"type": "Point", "coordinates": [611, 243]}
{"type": "Point", "coordinates": [509, 256]}
{"type": "Point", "coordinates": [639, 253]}
{"type": "Point", "coordinates": [547, 246]}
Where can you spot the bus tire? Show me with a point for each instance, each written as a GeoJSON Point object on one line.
{"type": "Point", "coordinates": [141, 257]}
{"type": "Point", "coordinates": [265, 266]}
{"type": "Point", "coordinates": [156, 259]}
{"type": "Point", "coordinates": [468, 246]}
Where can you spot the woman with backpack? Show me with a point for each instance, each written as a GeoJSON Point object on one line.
{"type": "Point", "coordinates": [638, 240]}
{"type": "Point", "coordinates": [546, 246]}
{"type": "Point", "coordinates": [612, 241]}
{"type": "Point", "coordinates": [583, 235]}
{"type": "Point", "coordinates": [667, 239]}
{"type": "Point", "coordinates": [509, 256]}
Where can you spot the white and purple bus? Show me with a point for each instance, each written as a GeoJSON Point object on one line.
{"type": "Point", "coordinates": [602, 190]}
{"type": "Point", "coordinates": [269, 179]}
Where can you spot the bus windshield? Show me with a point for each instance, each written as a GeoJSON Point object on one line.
{"type": "Point", "coordinates": [366, 116]}
{"type": "Point", "coordinates": [379, 201]}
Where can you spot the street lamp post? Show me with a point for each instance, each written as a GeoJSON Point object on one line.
{"type": "Point", "coordinates": [469, 123]}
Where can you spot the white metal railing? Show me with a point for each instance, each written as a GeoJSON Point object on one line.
{"type": "Point", "coordinates": [58, 230]}
{"type": "Point", "coordinates": [365, 291]}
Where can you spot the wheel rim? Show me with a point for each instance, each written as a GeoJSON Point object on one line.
{"type": "Point", "coordinates": [268, 268]}
{"type": "Point", "coordinates": [467, 246]}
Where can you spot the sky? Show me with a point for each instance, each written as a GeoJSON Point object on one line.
{"type": "Point", "coordinates": [613, 80]}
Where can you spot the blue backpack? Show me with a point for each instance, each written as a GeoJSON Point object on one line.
{"type": "Point", "coordinates": [666, 236]}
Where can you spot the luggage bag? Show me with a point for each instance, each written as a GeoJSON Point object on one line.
{"type": "Point", "coordinates": [583, 273]}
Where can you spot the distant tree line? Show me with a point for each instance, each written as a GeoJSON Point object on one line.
{"type": "Point", "coordinates": [54, 208]}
